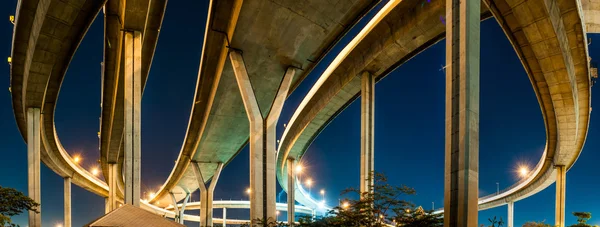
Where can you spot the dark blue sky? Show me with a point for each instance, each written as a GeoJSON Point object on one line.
{"type": "Point", "coordinates": [409, 124]}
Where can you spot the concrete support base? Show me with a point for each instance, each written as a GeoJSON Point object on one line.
{"type": "Point", "coordinates": [511, 214]}
{"type": "Point", "coordinates": [462, 113]}
{"type": "Point", "coordinates": [133, 100]}
{"type": "Point", "coordinates": [33, 164]}
{"type": "Point", "coordinates": [367, 133]}
{"type": "Point", "coordinates": [180, 211]}
{"type": "Point", "coordinates": [561, 188]}
{"type": "Point", "coordinates": [262, 141]}
{"type": "Point", "coordinates": [206, 193]}
{"type": "Point", "coordinates": [291, 192]}
{"type": "Point", "coordinates": [67, 205]}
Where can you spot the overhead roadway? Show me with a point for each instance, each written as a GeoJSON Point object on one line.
{"type": "Point", "coordinates": [549, 38]}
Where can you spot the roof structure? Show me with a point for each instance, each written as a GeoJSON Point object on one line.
{"type": "Point", "coordinates": [131, 216]}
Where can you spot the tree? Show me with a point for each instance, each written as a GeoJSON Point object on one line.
{"type": "Point", "coordinates": [419, 218]}
{"type": "Point", "coordinates": [582, 218]}
{"type": "Point", "coordinates": [494, 222]}
{"type": "Point", "coordinates": [13, 202]}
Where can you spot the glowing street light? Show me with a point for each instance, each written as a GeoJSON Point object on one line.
{"type": "Point", "coordinates": [248, 190]}
{"type": "Point", "coordinates": [95, 171]}
{"type": "Point", "coordinates": [309, 183]}
{"type": "Point", "coordinates": [152, 194]}
{"type": "Point", "coordinates": [58, 225]}
{"type": "Point", "coordinates": [345, 205]}
{"type": "Point", "coordinates": [76, 159]}
{"type": "Point", "coordinates": [323, 194]}
{"type": "Point", "coordinates": [298, 169]}
{"type": "Point", "coordinates": [523, 171]}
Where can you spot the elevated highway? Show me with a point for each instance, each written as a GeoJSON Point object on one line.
{"type": "Point", "coordinates": [549, 37]}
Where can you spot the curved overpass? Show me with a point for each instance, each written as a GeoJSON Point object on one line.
{"type": "Point", "coordinates": [550, 40]}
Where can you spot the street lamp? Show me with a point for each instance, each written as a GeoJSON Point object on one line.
{"type": "Point", "coordinates": [309, 184]}
{"type": "Point", "coordinates": [523, 171]}
{"type": "Point", "coordinates": [497, 188]}
{"type": "Point", "coordinates": [323, 194]}
{"type": "Point", "coordinates": [276, 215]}
{"type": "Point", "coordinates": [345, 205]}
{"type": "Point", "coordinates": [76, 159]}
{"type": "Point", "coordinates": [95, 171]}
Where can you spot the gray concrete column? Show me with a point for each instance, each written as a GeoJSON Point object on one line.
{"type": "Point", "coordinates": [67, 205]}
{"type": "Point", "coordinates": [132, 109]}
{"type": "Point", "coordinates": [206, 193]}
{"type": "Point", "coordinates": [262, 140]}
{"type": "Point", "coordinates": [367, 133]}
{"type": "Point", "coordinates": [561, 188]}
{"type": "Point", "coordinates": [33, 164]}
{"type": "Point", "coordinates": [511, 214]}
{"type": "Point", "coordinates": [462, 113]}
{"type": "Point", "coordinates": [291, 192]}
{"type": "Point", "coordinates": [179, 211]}
{"type": "Point", "coordinates": [113, 175]}
{"type": "Point", "coordinates": [224, 217]}
{"type": "Point", "coordinates": [106, 205]}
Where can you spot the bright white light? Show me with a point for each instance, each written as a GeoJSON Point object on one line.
{"type": "Point", "coordinates": [523, 171]}
{"type": "Point", "coordinates": [322, 191]}
{"type": "Point", "coordinates": [309, 182]}
{"type": "Point", "coordinates": [95, 171]}
{"type": "Point", "coordinates": [58, 225]}
{"type": "Point", "coordinates": [152, 195]}
{"type": "Point", "coordinates": [322, 204]}
{"type": "Point", "coordinates": [345, 205]}
{"type": "Point", "coordinates": [248, 190]}
{"type": "Point", "coordinates": [276, 212]}
{"type": "Point", "coordinates": [298, 169]}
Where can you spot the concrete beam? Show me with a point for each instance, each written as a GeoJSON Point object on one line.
{"type": "Point", "coordinates": [367, 132]}
{"type": "Point", "coordinates": [67, 202]}
{"type": "Point", "coordinates": [262, 140]}
{"type": "Point", "coordinates": [511, 214]}
{"type": "Point", "coordinates": [206, 193]}
{"type": "Point", "coordinates": [561, 187]}
{"type": "Point", "coordinates": [33, 164]}
{"type": "Point", "coordinates": [133, 101]}
{"type": "Point", "coordinates": [291, 197]}
{"type": "Point", "coordinates": [462, 113]}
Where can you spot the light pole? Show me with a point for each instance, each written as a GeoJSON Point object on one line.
{"type": "Point", "coordinates": [432, 206]}
{"type": "Point", "coordinates": [323, 194]}
{"type": "Point", "coordinates": [497, 188]}
{"type": "Point", "coordinates": [309, 184]}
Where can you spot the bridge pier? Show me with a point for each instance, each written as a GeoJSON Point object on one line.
{"type": "Point", "coordinates": [262, 140]}
{"type": "Point", "coordinates": [367, 134]}
{"type": "Point", "coordinates": [206, 193]}
{"type": "Point", "coordinates": [224, 217]}
{"type": "Point", "coordinates": [67, 202]}
{"type": "Point", "coordinates": [132, 109]}
{"type": "Point", "coordinates": [561, 187]}
{"type": "Point", "coordinates": [511, 214]}
{"type": "Point", "coordinates": [462, 113]}
{"type": "Point", "coordinates": [179, 211]}
{"type": "Point", "coordinates": [111, 202]}
{"type": "Point", "coordinates": [33, 164]}
{"type": "Point", "coordinates": [291, 192]}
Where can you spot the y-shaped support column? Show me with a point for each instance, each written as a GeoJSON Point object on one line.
{"type": "Point", "coordinates": [462, 113]}
{"type": "Point", "coordinates": [262, 140]}
{"type": "Point", "coordinates": [133, 104]}
{"type": "Point", "coordinates": [367, 134]}
{"type": "Point", "coordinates": [291, 192]}
{"type": "Point", "coordinates": [33, 164]}
{"type": "Point", "coordinates": [206, 193]}
{"type": "Point", "coordinates": [561, 188]}
{"type": "Point", "coordinates": [179, 211]}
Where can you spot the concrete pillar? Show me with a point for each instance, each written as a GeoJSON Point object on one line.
{"type": "Point", "coordinates": [262, 140]}
{"type": "Point", "coordinates": [67, 206]}
{"type": "Point", "coordinates": [33, 164]}
{"type": "Point", "coordinates": [106, 205]}
{"type": "Point", "coordinates": [511, 214]}
{"type": "Point", "coordinates": [462, 113]}
{"type": "Point", "coordinates": [206, 193]}
{"type": "Point", "coordinates": [133, 101]}
{"type": "Point", "coordinates": [113, 176]}
{"type": "Point", "coordinates": [367, 133]}
{"type": "Point", "coordinates": [179, 211]}
{"type": "Point", "coordinates": [224, 217]}
{"type": "Point", "coordinates": [561, 187]}
{"type": "Point", "coordinates": [291, 192]}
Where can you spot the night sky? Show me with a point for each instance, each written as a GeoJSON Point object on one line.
{"type": "Point", "coordinates": [409, 126]}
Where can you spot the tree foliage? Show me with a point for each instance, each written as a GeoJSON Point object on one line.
{"type": "Point", "coordinates": [13, 202]}
{"type": "Point", "coordinates": [536, 224]}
